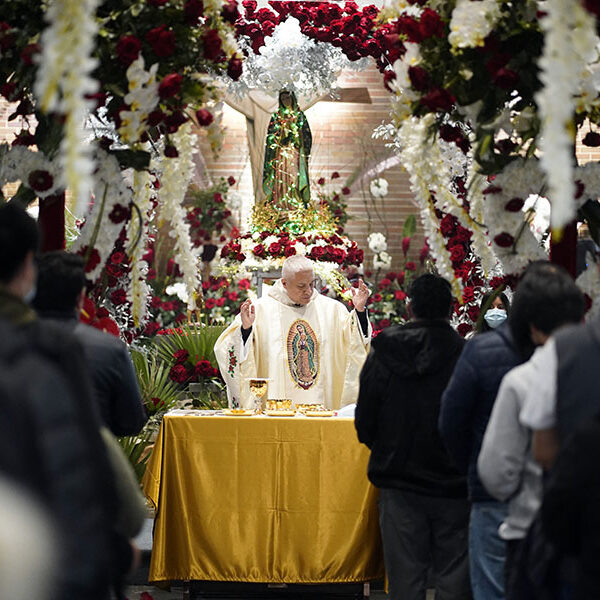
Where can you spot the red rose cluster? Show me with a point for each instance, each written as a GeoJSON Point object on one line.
{"type": "Point", "coordinates": [347, 27]}
{"type": "Point", "coordinates": [188, 370]}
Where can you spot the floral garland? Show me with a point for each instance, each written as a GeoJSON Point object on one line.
{"type": "Point", "coordinates": [570, 43]}
{"type": "Point", "coordinates": [110, 210]}
{"type": "Point", "coordinates": [137, 236]}
{"type": "Point", "coordinates": [176, 173]}
{"type": "Point", "coordinates": [65, 67]}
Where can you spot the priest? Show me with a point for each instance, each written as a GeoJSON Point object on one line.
{"type": "Point", "coordinates": [309, 346]}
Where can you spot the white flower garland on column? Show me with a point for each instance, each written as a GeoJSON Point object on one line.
{"type": "Point", "coordinates": [137, 232]}
{"type": "Point", "coordinates": [64, 70]}
{"type": "Point", "coordinates": [415, 158]}
{"type": "Point", "coordinates": [570, 41]}
{"type": "Point", "coordinates": [176, 174]}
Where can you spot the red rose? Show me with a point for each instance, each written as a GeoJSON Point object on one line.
{"type": "Point", "coordinates": [233, 296]}
{"type": "Point", "coordinates": [193, 10]}
{"type": "Point", "coordinates": [258, 250]}
{"type": "Point", "coordinates": [464, 328]}
{"type": "Point", "coordinates": [438, 99]}
{"type": "Point", "coordinates": [384, 283]}
{"type": "Point", "coordinates": [411, 29]}
{"type": "Point", "coordinates": [400, 277]}
{"type": "Point", "coordinates": [399, 295]}
{"type": "Point", "coordinates": [462, 235]}
{"type": "Point", "coordinates": [220, 301]}
{"type": "Point", "coordinates": [514, 205]}
{"type": "Point", "coordinates": [317, 253]}
{"type": "Point", "coordinates": [151, 274]}
{"type": "Point", "coordinates": [128, 49]}
{"type": "Point", "coordinates": [457, 253]}
{"type": "Point", "coordinates": [468, 293]}
{"type": "Point", "coordinates": [179, 374]}
{"type": "Point", "coordinates": [170, 85]}
{"type": "Point", "coordinates": [275, 248]}
{"type": "Point", "coordinates": [419, 78]}
{"type": "Point", "coordinates": [289, 251]}
{"type": "Point", "coordinates": [205, 117]}
{"type": "Point", "coordinates": [447, 225]}
{"type": "Point", "coordinates": [175, 120]}
{"type": "Point", "coordinates": [117, 258]}
{"type": "Point", "coordinates": [212, 44]}
{"type": "Point", "coordinates": [161, 40]}
{"type": "Point", "coordinates": [410, 266]}
{"type": "Point", "coordinates": [234, 68]}
{"type": "Point", "coordinates": [321, 181]}
{"type": "Point", "coordinates": [346, 191]}
{"type": "Point", "coordinates": [377, 297]}
{"type": "Point", "coordinates": [40, 181]}
{"type": "Point", "coordinates": [335, 175]}
{"type": "Point", "coordinates": [338, 255]}
{"type": "Point", "coordinates": [230, 12]}
{"type": "Point", "coordinates": [504, 240]}
{"type": "Point", "coordinates": [244, 284]}
{"type": "Point", "coordinates": [231, 180]}
{"type": "Point", "coordinates": [431, 24]}
{"type": "Point", "coordinates": [384, 323]}
{"type": "Point", "coordinates": [210, 303]}
{"type": "Point", "coordinates": [118, 214]}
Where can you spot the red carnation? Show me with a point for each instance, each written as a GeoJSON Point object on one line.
{"type": "Point", "coordinates": [205, 117]}
{"type": "Point", "coordinates": [212, 44]}
{"type": "Point", "coordinates": [504, 240]}
{"type": "Point", "coordinates": [210, 303]}
{"type": "Point", "coordinates": [179, 374]}
{"type": "Point", "coordinates": [161, 40]}
{"type": "Point", "coordinates": [40, 181]}
{"type": "Point", "coordinates": [117, 258]}
{"type": "Point", "coordinates": [170, 85]}
{"type": "Point", "coordinates": [244, 284]}
{"type": "Point", "coordinates": [399, 295]}
{"type": "Point", "coordinates": [514, 205]}
{"type": "Point", "coordinates": [193, 10]}
{"type": "Point", "coordinates": [384, 283]}
{"type": "Point", "coordinates": [468, 293]}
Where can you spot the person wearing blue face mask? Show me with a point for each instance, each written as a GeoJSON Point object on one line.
{"type": "Point", "coordinates": [496, 313]}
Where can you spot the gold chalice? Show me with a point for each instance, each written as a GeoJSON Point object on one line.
{"type": "Point", "coordinates": [258, 389]}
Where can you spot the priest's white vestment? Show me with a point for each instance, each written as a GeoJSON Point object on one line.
{"type": "Point", "coordinates": [310, 354]}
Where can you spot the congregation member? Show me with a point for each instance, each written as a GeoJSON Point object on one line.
{"type": "Point", "coordinates": [423, 507]}
{"type": "Point", "coordinates": [309, 346]}
{"type": "Point", "coordinates": [49, 429]}
{"type": "Point", "coordinates": [59, 298]}
{"type": "Point", "coordinates": [547, 298]}
{"type": "Point", "coordinates": [466, 406]}
{"type": "Point", "coordinates": [494, 311]}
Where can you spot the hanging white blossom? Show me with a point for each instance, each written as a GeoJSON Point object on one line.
{"type": "Point", "coordinates": [64, 79]}
{"type": "Point", "coordinates": [175, 176]}
{"type": "Point", "coordinates": [379, 187]}
{"type": "Point", "coordinates": [377, 242]}
{"type": "Point", "coordinates": [32, 169]}
{"type": "Point", "coordinates": [472, 21]}
{"type": "Point", "coordinates": [569, 42]}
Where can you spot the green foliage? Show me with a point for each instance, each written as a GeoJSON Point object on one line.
{"type": "Point", "coordinates": [410, 226]}
{"type": "Point", "coordinates": [159, 392]}
{"type": "Point", "coordinates": [137, 448]}
{"type": "Point", "coordinates": [198, 341]}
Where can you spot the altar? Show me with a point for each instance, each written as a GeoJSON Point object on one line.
{"type": "Point", "coordinates": [262, 499]}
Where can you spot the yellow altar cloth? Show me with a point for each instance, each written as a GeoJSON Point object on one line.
{"type": "Point", "coordinates": [262, 499]}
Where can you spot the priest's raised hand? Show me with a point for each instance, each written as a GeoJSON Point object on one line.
{"type": "Point", "coordinates": [360, 296]}
{"type": "Point", "coordinates": [247, 314]}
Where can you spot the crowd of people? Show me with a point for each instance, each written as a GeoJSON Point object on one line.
{"type": "Point", "coordinates": [484, 451]}
{"type": "Point", "coordinates": [69, 501]}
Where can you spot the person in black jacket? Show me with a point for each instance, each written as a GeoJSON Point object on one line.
{"type": "Point", "coordinates": [59, 296]}
{"type": "Point", "coordinates": [423, 507]}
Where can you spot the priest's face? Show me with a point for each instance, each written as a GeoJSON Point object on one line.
{"type": "Point", "coordinates": [299, 287]}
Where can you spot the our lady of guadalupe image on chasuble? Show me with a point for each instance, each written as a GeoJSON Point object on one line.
{"type": "Point", "coordinates": [310, 354]}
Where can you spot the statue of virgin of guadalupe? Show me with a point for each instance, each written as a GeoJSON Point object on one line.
{"type": "Point", "coordinates": [285, 173]}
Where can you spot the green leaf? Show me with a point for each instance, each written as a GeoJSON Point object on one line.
{"type": "Point", "coordinates": [410, 226]}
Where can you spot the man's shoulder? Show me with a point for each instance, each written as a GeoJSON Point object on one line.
{"type": "Point", "coordinates": [92, 337]}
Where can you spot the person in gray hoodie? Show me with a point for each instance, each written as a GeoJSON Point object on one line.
{"type": "Point", "coordinates": [546, 298]}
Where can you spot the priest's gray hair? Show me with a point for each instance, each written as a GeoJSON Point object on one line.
{"type": "Point", "coordinates": [296, 264]}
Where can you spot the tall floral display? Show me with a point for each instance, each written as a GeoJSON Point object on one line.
{"type": "Point", "coordinates": [509, 84]}
{"type": "Point", "coordinates": [107, 93]}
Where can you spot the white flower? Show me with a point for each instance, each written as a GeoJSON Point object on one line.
{"type": "Point", "coordinates": [379, 187]}
{"type": "Point", "coordinates": [178, 289]}
{"type": "Point", "coordinates": [377, 242]}
{"type": "Point", "coordinates": [382, 260]}
{"type": "Point", "coordinates": [472, 22]}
